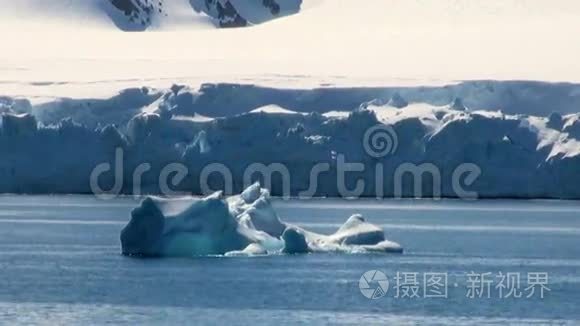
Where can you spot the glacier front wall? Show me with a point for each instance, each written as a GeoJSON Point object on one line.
{"type": "Point", "coordinates": [520, 156]}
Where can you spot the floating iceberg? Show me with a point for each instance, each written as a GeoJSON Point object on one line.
{"type": "Point", "coordinates": [243, 225]}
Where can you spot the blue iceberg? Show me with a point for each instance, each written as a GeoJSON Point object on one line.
{"type": "Point", "coordinates": [242, 225]}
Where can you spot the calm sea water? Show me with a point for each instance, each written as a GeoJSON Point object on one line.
{"type": "Point", "coordinates": [60, 264]}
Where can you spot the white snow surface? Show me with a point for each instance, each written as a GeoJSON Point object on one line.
{"type": "Point", "coordinates": [243, 225]}
{"type": "Point", "coordinates": [273, 109]}
{"type": "Point", "coordinates": [64, 48]}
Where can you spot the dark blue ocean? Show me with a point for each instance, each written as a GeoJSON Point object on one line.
{"type": "Point", "coordinates": [60, 263]}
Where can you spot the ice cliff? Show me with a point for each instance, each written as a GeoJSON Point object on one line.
{"type": "Point", "coordinates": [54, 147]}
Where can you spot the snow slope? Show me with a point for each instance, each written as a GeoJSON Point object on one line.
{"type": "Point", "coordinates": [127, 15]}
{"type": "Point", "coordinates": [329, 43]}
{"type": "Point", "coordinates": [141, 15]}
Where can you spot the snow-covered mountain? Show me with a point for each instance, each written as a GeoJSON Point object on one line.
{"type": "Point", "coordinates": [240, 13]}
{"type": "Point", "coordinates": [70, 48]}
{"type": "Point", "coordinates": [141, 15]}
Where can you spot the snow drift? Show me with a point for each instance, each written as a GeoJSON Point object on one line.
{"type": "Point", "coordinates": [241, 225]}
